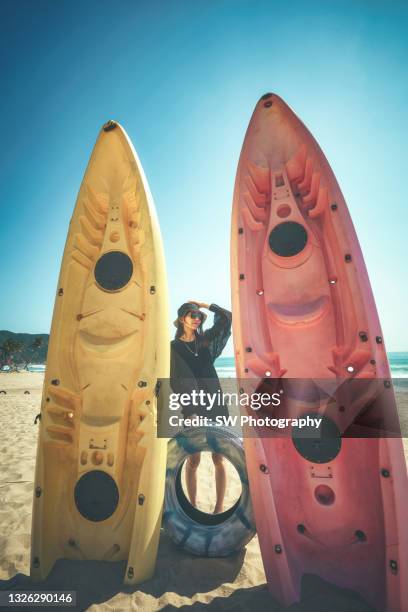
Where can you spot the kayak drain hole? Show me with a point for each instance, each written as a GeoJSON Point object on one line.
{"type": "Point", "coordinates": [284, 211]}
{"type": "Point", "coordinates": [324, 495]}
{"type": "Point", "coordinates": [202, 513]}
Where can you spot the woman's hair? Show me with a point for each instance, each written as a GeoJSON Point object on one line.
{"type": "Point", "coordinates": [180, 330]}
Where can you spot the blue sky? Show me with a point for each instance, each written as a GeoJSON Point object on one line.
{"type": "Point", "coordinates": [183, 78]}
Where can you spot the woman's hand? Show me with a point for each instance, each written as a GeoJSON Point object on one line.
{"type": "Point", "coordinates": [199, 304]}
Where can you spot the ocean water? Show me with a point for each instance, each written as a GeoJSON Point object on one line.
{"type": "Point", "coordinates": [225, 366]}
{"type": "Point", "coordinates": [399, 364]}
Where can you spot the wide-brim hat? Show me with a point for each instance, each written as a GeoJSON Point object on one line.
{"type": "Point", "coordinates": [184, 309]}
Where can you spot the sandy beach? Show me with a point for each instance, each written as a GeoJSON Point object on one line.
{"type": "Point", "coordinates": [181, 581]}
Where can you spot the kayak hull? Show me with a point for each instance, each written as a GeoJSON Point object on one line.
{"type": "Point", "coordinates": [304, 314]}
{"type": "Point", "coordinates": [100, 469]}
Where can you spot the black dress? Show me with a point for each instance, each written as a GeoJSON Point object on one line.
{"type": "Point", "coordinates": [188, 372]}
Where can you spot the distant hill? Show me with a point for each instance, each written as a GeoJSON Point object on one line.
{"type": "Point", "coordinates": [27, 354]}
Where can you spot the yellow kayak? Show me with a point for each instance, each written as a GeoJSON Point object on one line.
{"type": "Point", "coordinates": [100, 471]}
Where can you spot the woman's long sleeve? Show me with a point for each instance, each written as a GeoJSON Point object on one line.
{"type": "Point", "coordinates": [216, 337]}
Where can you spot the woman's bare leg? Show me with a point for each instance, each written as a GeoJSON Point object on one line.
{"type": "Point", "coordinates": [220, 481]}
{"type": "Point", "coordinates": [192, 464]}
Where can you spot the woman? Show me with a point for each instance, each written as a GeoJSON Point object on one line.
{"type": "Point", "coordinates": [193, 352]}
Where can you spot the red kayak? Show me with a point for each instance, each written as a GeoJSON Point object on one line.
{"type": "Point", "coordinates": [306, 324]}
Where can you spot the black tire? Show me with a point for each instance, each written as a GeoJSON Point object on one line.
{"type": "Point", "coordinates": [206, 535]}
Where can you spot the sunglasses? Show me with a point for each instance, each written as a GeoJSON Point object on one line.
{"type": "Point", "coordinates": [196, 314]}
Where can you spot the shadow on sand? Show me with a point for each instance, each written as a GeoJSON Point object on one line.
{"type": "Point", "coordinates": [96, 582]}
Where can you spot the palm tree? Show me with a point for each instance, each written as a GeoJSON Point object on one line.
{"type": "Point", "coordinates": [36, 345]}
{"type": "Point", "coordinates": [10, 348]}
